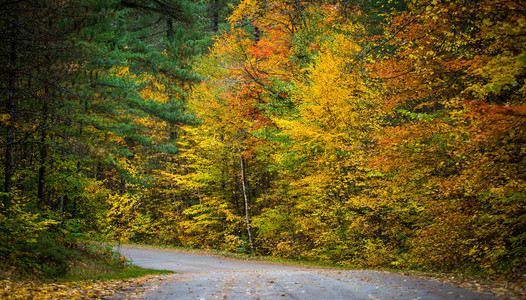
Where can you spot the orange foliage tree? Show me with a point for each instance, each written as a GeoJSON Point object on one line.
{"type": "Point", "coordinates": [454, 80]}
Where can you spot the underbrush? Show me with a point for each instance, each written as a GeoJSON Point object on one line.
{"type": "Point", "coordinates": [51, 259]}
{"type": "Point", "coordinates": [43, 246]}
{"type": "Point", "coordinates": [69, 269]}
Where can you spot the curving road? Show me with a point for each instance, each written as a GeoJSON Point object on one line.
{"type": "Point", "coordinates": [213, 277]}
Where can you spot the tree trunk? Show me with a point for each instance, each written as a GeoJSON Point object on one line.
{"type": "Point", "coordinates": [43, 152]}
{"type": "Point", "coordinates": [245, 198]}
{"type": "Point", "coordinates": [169, 28]}
{"type": "Point", "coordinates": [11, 110]}
{"type": "Point", "coordinates": [214, 15]}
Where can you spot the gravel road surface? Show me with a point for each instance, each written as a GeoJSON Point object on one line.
{"type": "Point", "coordinates": [214, 277]}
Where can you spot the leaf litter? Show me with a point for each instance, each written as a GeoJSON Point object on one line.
{"type": "Point", "coordinates": [111, 289]}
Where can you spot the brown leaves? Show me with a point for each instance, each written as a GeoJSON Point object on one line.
{"type": "Point", "coordinates": [127, 289]}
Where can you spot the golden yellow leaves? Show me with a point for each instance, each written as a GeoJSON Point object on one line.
{"type": "Point", "coordinates": [246, 9]}
{"type": "Point", "coordinates": [120, 71]}
{"type": "Point", "coordinates": [500, 73]}
{"type": "Point", "coordinates": [333, 100]}
{"type": "Point", "coordinates": [153, 89]}
{"type": "Point", "coordinates": [155, 92]}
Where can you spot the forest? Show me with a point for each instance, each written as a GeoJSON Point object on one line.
{"type": "Point", "coordinates": [373, 134]}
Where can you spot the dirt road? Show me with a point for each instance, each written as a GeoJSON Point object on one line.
{"type": "Point", "coordinates": [213, 277]}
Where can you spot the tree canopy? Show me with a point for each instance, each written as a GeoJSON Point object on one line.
{"type": "Point", "coordinates": [386, 134]}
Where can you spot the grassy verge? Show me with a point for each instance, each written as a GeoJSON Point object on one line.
{"type": "Point", "coordinates": [92, 269]}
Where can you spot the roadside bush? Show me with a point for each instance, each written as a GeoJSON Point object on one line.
{"type": "Point", "coordinates": [35, 246]}
{"type": "Point", "coordinates": [47, 257]}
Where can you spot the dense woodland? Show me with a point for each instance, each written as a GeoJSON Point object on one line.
{"type": "Point", "coordinates": [378, 134]}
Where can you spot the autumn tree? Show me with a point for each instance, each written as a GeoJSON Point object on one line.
{"type": "Point", "coordinates": [441, 103]}
{"type": "Point", "coordinates": [383, 127]}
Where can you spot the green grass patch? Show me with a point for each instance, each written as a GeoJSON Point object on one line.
{"type": "Point", "coordinates": [93, 269]}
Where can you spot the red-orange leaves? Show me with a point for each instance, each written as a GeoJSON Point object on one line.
{"type": "Point", "coordinates": [273, 42]}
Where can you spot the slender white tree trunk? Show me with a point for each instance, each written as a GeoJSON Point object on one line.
{"type": "Point", "coordinates": [245, 199]}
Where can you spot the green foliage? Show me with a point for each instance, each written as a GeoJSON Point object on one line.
{"type": "Point", "coordinates": [20, 227]}
{"type": "Point", "coordinates": [37, 247]}
{"type": "Point", "coordinates": [45, 258]}
{"type": "Point", "coordinates": [93, 100]}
